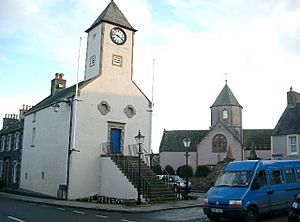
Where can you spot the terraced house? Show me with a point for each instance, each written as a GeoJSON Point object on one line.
{"type": "Point", "coordinates": [11, 136]}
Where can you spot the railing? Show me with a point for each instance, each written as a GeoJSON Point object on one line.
{"type": "Point", "coordinates": [133, 175]}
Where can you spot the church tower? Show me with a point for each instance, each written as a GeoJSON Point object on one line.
{"type": "Point", "coordinates": [227, 110]}
{"type": "Point", "coordinates": [110, 45]}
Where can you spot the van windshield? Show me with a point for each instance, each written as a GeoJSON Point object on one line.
{"type": "Point", "coordinates": [234, 179]}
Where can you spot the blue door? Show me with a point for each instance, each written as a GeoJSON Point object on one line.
{"type": "Point", "coordinates": [115, 141]}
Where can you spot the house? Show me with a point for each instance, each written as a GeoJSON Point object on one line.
{"type": "Point", "coordinates": [11, 136]}
{"type": "Point", "coordinates": [226, 134]}
{"type": "Point", "coordinates": [285, 137]}
{"type": "Point", "coordinates": [70, 135]}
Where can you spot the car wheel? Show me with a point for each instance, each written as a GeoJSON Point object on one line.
{"type": "Point", "coordinates": [251, 214]}
{"type": "Point", "coordinates": [176, 189]}
{"type": "Point", "coordinates": [211, 218]}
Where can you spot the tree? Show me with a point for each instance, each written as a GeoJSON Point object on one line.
{"type": "Point", "coordinates": [170, 170]}
{"type": "Point", "coordinates": [157, 169]}
{"type": "Point", "coordinates": [185, 171]}
{"type": "Point", "coordinates": [202, 171]}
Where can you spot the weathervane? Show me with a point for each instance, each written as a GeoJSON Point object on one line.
{"type": "Point", "coordinates": [226, 75]}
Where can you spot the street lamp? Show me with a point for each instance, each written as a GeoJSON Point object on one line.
{"type": "Point", "coordinates": [139, 140]}
{"type": "Point", "coordinates": [186, 142]}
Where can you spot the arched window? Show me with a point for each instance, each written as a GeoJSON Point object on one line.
{"type": "Point", "coordinates": [225, 114]}
{"type": "Point", "coordinates": [219, 144]}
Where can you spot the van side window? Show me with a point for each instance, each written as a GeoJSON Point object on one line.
{"type": "Point", "coordinates": [298, 174]}
{"type": "Point", "coordinates": [275, 177]}
{"type": "Point", "coordinates": [290, 176]}
{"type": "Point", "coordinates": [261, 178]}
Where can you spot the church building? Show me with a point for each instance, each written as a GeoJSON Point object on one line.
{"type": "Point", "coordinates": [225, 136]}
{"type": "Point", "coordinates": [68, 135]}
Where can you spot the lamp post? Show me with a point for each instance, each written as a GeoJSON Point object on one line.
{"type": "Point", "coordinates": [139, 140]}
{"type": "Point", "coordinates": [186, 142]}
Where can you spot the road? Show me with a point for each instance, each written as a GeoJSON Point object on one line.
{"type": "Point", "coordinates": [19, 211]}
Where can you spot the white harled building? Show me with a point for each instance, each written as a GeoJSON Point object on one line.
{"type": "Point", "coordinates": [66, 136]}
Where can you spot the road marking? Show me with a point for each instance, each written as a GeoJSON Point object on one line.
{"type": "Point", "coordinates": [44, 205]}
{"type": "Point", "coordinates": [101, 216]}
{"type": "Point", "coordinates": [59, 208]}
{"type": "Point", "coordinates": [78, 212]}
{"type": "Point", "coordinates": [15, 219]}
{"type": "Point", "coordinates": [124, 220]}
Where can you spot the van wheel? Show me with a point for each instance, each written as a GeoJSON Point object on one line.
{"type": "Point", "coordinates": [251, 214]}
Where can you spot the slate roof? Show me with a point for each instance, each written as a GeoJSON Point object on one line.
{"type": "Point", "coordinates": [226, 98]}
{"type": "Point", "coordinates": [261, 138]}
{"type": "Point", "coordinates": [172, 140]}
{"type": "Point", "coordinates": [113, 15]}
{"type": "Point", "coordinates": [13, 127]}
{"type": "Point", "coordinates": [289, 122]}
{"type": "Point", "coordinates": [57, 97]}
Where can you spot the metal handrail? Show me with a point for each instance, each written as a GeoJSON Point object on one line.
{"type": "Point", "coordinates": [133, 175]}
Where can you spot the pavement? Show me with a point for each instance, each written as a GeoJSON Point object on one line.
{"type": "Point", "coordinates": [196, 201]}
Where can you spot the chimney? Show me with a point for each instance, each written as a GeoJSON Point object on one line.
{"type": "Point", "coordinates": [58, 83]}
{"type": "Point", "coordinates": [292, 97]}
{"type": "Point", "coordinates": [23, 110]}
{"type": "Point", "coordinates": [9, 119]}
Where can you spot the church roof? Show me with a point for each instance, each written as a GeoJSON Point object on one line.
{"type": "Point", "coordinates": [226, 98]}
{"type": "Point", "coordinates": [172, 140]}
{"type": "Point", "coordinates": [113, 15]}
{"type": "Point", "coordinates": [289, 122]}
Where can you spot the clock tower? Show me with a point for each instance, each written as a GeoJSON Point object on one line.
{"type": "Point", "coordinates": [110, 46]}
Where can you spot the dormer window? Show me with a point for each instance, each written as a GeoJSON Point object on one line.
{"type": "Point", "coordinates": [225, 114]}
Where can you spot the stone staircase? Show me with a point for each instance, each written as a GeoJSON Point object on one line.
{"type": "Point", "coordinates": [153, 190]}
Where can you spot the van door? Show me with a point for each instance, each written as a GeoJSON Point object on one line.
{"type": "Point", "coordinates": [259, 192]}
{"type": "Point", "coordinates": [278, 200]}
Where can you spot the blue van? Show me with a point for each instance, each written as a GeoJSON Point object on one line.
{"type": "Point", "coordinates": [247, 189]}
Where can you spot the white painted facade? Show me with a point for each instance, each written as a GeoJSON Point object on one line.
{"type": "Point", "coordinates": [46, 166]}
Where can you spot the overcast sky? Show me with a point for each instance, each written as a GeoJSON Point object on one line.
{"type": "Point", "coordinates": [194, 42]}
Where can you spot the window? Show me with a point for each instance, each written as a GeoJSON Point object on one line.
{"type": "Point", "coordinates": [261, 178]}
{"type": "Point", "coordinates": [2, 143]}
{"type": "Point", "coordinates": [275, 177]}
{"type": "Point", "coordinates": [34, 117]}
{"type": "Point", "coordinates": [298, 174]}
{"type": "Point", "coordinates": [117, 60]}
{"type": "Point", "coordinates": [15, 168]}
{"type": "Point", "coordinates": [292, 145]}
{"type": "Point", "coordinates": [225, 114]}
{"type": "Point", "coordinates": [219, 144]}
{"type": "Point", "coordinates": [33, 137]}
{"type": "Point", "coordinates": [43, 175]}
{"type": "Point", "coordinates": [1, 167]}
{"type": "Point", "coordinates": [290, 176]}
{"type": "Point", "coordinates": [92, 60]}
{"type": "Point", "coordinates": [9, 142]}
{"type": "Point", "coordinates": [17, 141]}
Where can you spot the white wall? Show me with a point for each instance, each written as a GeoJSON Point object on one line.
{"type": "Point", "coordinates": [113, 182]}
{"type": "Point", "coordinates": [48, 153]}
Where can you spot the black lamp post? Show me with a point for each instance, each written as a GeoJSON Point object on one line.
{"type": "Point", "coordinates": [139, 140]}
{"type": "Point", "coordinates": [186, 142]}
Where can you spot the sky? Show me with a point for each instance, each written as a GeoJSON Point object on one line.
{"type": "Point", "coordinates": [187, 45]}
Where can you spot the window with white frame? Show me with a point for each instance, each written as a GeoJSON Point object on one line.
{"type": "Point", "coordinates": [1, 168]}
{"type": "Point", "coordinates": [225, 114]}
{"type": "Point", "coordinates": [17, 140]}
{"type": "Point", "coordinates": [2, 143]}
{"type": "Point", "coordinates": [9, 142]}
{"type": "Point", "coordinates": [292, 147]}
{"type": "Point", "coordinates": [15, 168]}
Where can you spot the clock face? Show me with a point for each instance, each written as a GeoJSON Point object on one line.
{"type": "Point", "coordinates": [118, 36]}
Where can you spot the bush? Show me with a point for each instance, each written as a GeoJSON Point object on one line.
{"type": "Point", "coordinates": [156, 169]}
{"type": "Point", "coordinates": [170, 170]}
{"type": "Point", "coordinates": [202, 171]}
{"type": "Point", "coordinates": [185, 171]}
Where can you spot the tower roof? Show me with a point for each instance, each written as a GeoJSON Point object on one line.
{"type": "Point", "coordinates": [113, 15]}
{"type": "Point", "coordinates": [226, 98]}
